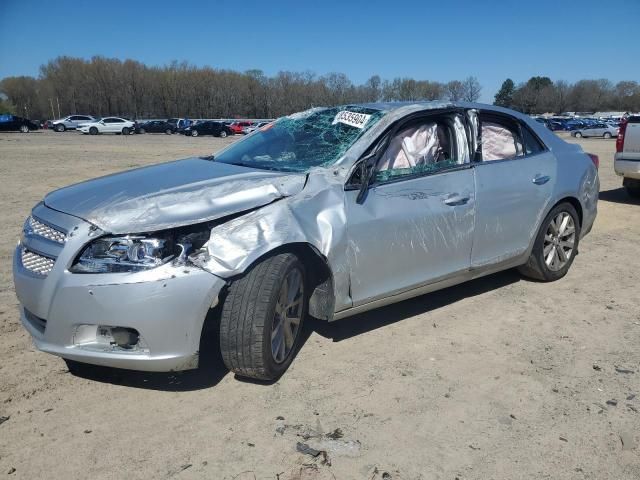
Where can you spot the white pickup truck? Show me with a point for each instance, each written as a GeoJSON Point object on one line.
{"type": "Point", "coordinates": [627, 158]}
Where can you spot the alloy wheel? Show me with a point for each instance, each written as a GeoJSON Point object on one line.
{"type": "Point", "coordinates": [559, 241]}
{"type": "Point", "coordinates": [288, 316]}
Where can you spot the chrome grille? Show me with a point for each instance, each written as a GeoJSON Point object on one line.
{"type": "Point", "coordinates": [50, 233]}
{"type": "Point", "coordinates": [36, 263]}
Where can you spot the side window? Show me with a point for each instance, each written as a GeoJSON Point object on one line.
{"type": "Point", "coordinates": [75, 118]}
{"type": "Point", "coordinates": [500, 139]}
{"type": "Point", "coordinates": [531, 143]}
{"type": "Point", "coordinates": [117, 120]}
{"type": "Point", "coordinates": [424, 147]}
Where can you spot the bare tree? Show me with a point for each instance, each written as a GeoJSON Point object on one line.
{"type": "Point", "coordinates": [472, 89]}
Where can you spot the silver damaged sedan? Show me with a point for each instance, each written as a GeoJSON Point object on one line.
{"type": "Point", "coordinates": [325, 213]}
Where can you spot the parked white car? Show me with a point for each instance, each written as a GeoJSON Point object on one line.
{"type": "Point", "coordinates": [71, 122]}
{"type": "Point", "coordinates": [108, 125]}
{"type": "Point", "coordinates": [596, 130]}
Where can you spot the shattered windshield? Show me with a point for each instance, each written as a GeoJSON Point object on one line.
{"type": "Point", "coordinates": [301, 141]}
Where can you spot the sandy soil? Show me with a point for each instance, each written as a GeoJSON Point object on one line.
{"type": "Point", "coordinates": [500, 378]}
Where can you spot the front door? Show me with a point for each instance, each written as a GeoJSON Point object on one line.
{"type": "Point", "coordinates": [415, 225]}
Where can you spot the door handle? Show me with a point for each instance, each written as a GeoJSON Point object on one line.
{"type": "Point", "coordinates": [456, 199]}
{"type": "Point", "coordinates": [541, 179]}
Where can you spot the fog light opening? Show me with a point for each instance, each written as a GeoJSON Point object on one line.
{"type": "Point", "coordinates": [126, 338]}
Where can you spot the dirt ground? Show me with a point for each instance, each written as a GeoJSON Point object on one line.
{"type": "Point", "coordinates": [500, 378]}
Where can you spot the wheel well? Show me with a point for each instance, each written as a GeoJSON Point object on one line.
{"type": "Point", "coordinates": [575, 203]}
{"type": "Point", "coordinates": [319, 277]}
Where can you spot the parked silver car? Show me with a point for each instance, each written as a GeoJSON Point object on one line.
{"type": "Point", "coordinates": [328, 213]}
{"type": "Point", "coordinates": [71, 122]}
{"type": "Point", "coordinates": [596, 130]}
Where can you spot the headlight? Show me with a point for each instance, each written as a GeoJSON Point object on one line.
{"type": "Point", "coordinates": [130, 253]}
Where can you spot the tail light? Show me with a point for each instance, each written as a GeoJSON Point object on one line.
{"type": "Point", "coordinates": [621, 132]}
{"type": "Point", "coordinates": [594, 159]}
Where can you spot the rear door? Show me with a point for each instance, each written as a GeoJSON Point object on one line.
{"type": "Point", "coordinates": [515, 176]}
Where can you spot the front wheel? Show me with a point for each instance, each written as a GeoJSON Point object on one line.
{"type": "Point", "coordinates": [223, 134]}
{"type": "Point", "coordinates": [168, 131]}
{"type": "Point", "coordinates": [194, 133]}
{"type": "Point", "coordinates": [578, 135]}
{"type": "Point", "coordinates": [93, 131]}
{"type": "Point", "coordinates": [24, 129]}
{"type": "Point", "coordinates": [262, 317]}
{"type": "Point", "coordinates": [556, 245]}
{"type": "Point", "coordinates": [60, 128]}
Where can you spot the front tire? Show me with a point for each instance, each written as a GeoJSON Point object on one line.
{"type": "Point", "coordinates": [578, 135]}
{"type": "Point", "coordinates": [93, 131]}
{"type": "Point", "coordinates": [556, 245]}
{"type": "Point", "coordinates": [194, 133]}
{"type": "Point", "coordinates": [223, 134]}
{"type": "Point", "coordinates": [60, 128]}
{"type": "Point", "coordinates": [168, 131]}
{"type": "Point", "coordinates": [262, 317]}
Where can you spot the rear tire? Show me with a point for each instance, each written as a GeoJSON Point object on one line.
{"type": "Point", "coordinates": [142, 131]}
{"type": "Point", "coordinates": [632, 186]}
{"type": "Point", "coordinates": [125, 131]}
{"type": "Point", "coordinates": [550, 257]}
{"type": "Point", "coordinates": [606, 135]}
{"type": "Point", "coordinates": [168, 131]}
{"type": "Point", "coordinates": [262, 318]}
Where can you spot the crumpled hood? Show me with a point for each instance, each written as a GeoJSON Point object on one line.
{"type": "Point", "coordinates": [172, 194]}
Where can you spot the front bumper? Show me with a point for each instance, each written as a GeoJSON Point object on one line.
{"type": "Point", "coordinates": [167, 306]}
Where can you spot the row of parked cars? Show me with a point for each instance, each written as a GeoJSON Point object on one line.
{"type": "Point", "coordinates": [93, 126]}
{"type": "Point", "coordinates": [583, 127]}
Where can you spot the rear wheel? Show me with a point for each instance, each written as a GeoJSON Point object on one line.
{"type": "Point", "coordinates": [632, 186]}
{"type": "Point", "coordinates": [168, 131]}
{"type": "Point", "coordinates": [125, 131]}
{"type": "Point", "coordinates": [262, 317]}
{"type": "Point", "coordinates": [142, 130]}
{"type": "Point", "coordinates": [607, 135]}
{"type": "Point", "coordinates": [556, 245]}
{"type": "Point", "coordinates": [93, 131]}
{"type": "Point", "coordinates": [24, 128]}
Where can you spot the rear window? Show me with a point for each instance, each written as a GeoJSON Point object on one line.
{"type": "Point", "coordinates": [531, 143]}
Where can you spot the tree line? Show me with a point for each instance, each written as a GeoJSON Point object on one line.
{"type": "Point", "coordinates": [108, 86]}
{"type": "Point", "coordinates": [542, 95]}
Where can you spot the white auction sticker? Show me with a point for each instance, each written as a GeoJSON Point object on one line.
{"type": "Point", "coordinates": [354, 119]}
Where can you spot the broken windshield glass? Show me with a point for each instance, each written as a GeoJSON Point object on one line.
{"type": "Point", "coordinates": [296, 143]}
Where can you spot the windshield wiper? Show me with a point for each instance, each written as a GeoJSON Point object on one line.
{"type": "Point", "coordinates": [211, 158]}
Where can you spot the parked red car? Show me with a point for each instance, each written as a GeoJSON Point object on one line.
{"type": "Point", "coordinates": [236, 127]}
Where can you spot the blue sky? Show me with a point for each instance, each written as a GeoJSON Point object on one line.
{"type": "Point", "coordinates": [439, 40]}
